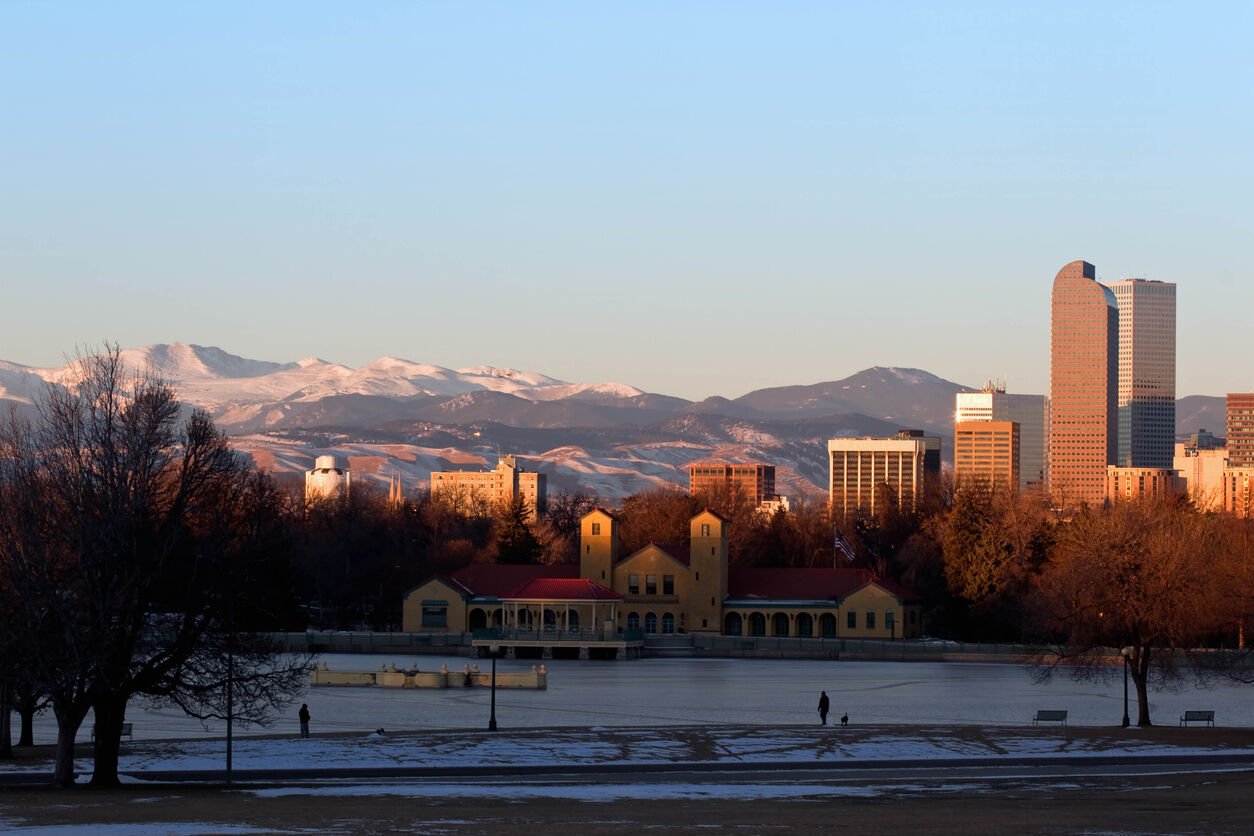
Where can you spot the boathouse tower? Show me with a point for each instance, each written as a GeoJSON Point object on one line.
{"type": "Point", "coordinates": [598, 546]}
{"type": "Point", "coordinates": [708, 568]}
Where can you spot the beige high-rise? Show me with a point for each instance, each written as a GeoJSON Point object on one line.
{"type": "Point", "coordinates": [491, 487]}
{"type": "Point", "coordinates": [1083, 384]}
{"type": "Point", "coordinates": [863, 468]}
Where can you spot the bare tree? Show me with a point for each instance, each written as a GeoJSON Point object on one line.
{"type": "Point", "coordinates": [120, 521]}
{"type": "Point", "coordinates": [1134, 576]}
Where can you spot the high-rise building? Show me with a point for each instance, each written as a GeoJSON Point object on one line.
{"type": "Point", "coordinates": [1083, 384]}
{"type": "Point", "coordinates": [1238, 496]}
{"type": "Point", "coordinates": [755, 482]}
{"type": "Point", "coordinates": [1030, 412]}
{"type": "Point", "coordinates": [491, 487]}
{"type": "Point", "coordinates": [986, 454]}
{"type": "Point", "coordinates": [1147, 373]}
{"type": "Point", "coordinates": [1240, 429]}
{"type": "Point", "coordinates": [864, 471]}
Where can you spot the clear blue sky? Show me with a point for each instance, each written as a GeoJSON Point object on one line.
{"type": "Point", "coordinates": [695, 198]}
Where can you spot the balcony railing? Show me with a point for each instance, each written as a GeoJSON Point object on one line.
{"type": "Point", "coordinates": [553, 635]}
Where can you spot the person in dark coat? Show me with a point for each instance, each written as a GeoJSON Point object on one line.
{"type": "Point", "coordinates": [824, 706]}
{"type": "Point", "coordinates": [304, 720]}
{"type": "Point", "coordinates": [844, 719]}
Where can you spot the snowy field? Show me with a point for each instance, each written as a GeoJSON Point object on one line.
{"type": "Point", "coordinates": [744, 692]}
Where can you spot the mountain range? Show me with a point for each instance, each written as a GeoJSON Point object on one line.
{"type": "Point", "coordinates": [612, 439]}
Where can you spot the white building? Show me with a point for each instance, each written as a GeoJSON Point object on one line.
{"type": "Point", "coordinates": [330, 478]}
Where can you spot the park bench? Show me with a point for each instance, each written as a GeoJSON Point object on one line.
{"type": "Point", "coordinates": [1207, 717]}
{"type": "Point", "coordinates": [1049, 716]}
{"type": "Point", "coordinates": [127, 730]}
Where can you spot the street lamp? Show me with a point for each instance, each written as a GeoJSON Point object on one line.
{"type": "Point", "coordinates": [1126, 653]}
{"type": "Point", "coordinates": [495, 648]}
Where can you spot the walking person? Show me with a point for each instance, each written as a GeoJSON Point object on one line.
{"type": "Point", "coordinates": [824, 706]}
{"type": "Point", "coordinates": [304, 719]}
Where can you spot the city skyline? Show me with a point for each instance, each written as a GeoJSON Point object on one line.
{"type": "Point", "coordinates": [298, 180]}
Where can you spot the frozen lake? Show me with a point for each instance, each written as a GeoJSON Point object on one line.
{"type": "Point", "coordinates": [650, 692]}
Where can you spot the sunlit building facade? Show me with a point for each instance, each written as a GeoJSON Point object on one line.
{"type": "Point", "coordinates": [1240, 429]}
{"type": "Point", "coordinates": [1083, 385]}
{"type": "Point", "coordinates": [986, 455]}
{"type": "Point", "coordinates": [867, 471]}
{"type": "Point", "coordinates": [755, 482]}
{"type": "Point", "coordinates": [493, 487]}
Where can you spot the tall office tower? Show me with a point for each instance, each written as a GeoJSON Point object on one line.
{"type": "Point", "coordinates": [1030, 412]}
{"type": "Point", "coordinates": [1147, 373]}
{"type": "Point", "coordinates": [1240, 429]}
{"type": "Point", "coordinates": [861, 468]}
{"type": "Point", "coordinates": [1083, 383]}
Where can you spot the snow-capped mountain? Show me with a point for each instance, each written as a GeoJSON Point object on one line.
{"type": "Point", "coordinates": [397, 415]}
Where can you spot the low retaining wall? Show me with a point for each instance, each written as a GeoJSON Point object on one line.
{"type": "Point", "coordinates": [535, 679]}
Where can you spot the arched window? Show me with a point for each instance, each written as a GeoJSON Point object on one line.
{"type": "Point", "coordinates": [478, 619]}
{"type": "Point", "coordinates": [633, 621]}
{"type": "Point", "coordinates": [668, 623]}
{"type": "Point", "coordinates": [572, 620]}
{"type": "Point", "coordinates": [779, 624]}
{"type": "Point", "coordinates": [650, 623]}
{"type": "Point", "coordinates": [757, 624]}
{"type": "Point", "coordinates": [524, 619]}
{"type": "Point", "coordinates": [827, 625]}
{"type": "Point", "coordinates": [805, 625]}
{"type": "Point", "coordinates": [550, 619]}
{"type": "Point", "coordinates": [732, 624]}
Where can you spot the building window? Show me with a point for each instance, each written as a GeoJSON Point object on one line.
{"type": "Point", "coordinates": [435, 616]}
{"type": "Point", "coordinates": [650, 623]}
{"type": "Point", "coordinates": [668, 623]}
{"type": "Point", "coordinates": [596, 529]}
{"type": "Point", "coordinates": [650, 584]}
{"type": "Point", "coordinates": [668, 584]}
{"type": "Point", "coordinates": [705, 529]}
{"type": "Point", "coordinates": [851, 620]}
{"type": "Point", "coordinates": [633, 621]}
{"type": "Point", "coordinates": [870, 620]}
{"type": "Point", "coordinates": [633, 584]}
{"type": "Point", "coordinates": [890, 622]}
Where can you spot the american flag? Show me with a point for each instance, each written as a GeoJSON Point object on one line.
{"type": "Point", "coordinates": [842, 546]}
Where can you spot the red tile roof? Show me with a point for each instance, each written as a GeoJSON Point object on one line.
{"type": "Point", "coordinates": [496, 579]}
{"type": "Point", "coordinates": [794, 584]}
{"type": "Point", "coordinates": [562, 589]}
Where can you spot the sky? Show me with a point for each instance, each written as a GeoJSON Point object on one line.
{"type": "Point", "coordinates": [695, 198]}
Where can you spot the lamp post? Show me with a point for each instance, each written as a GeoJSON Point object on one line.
{"type": "Point", "coordinates": [1126, 653]}
{"type": "Point", "coordinates": [495, 648]}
